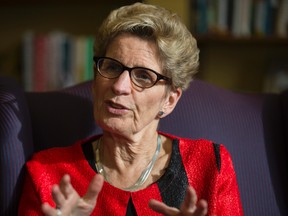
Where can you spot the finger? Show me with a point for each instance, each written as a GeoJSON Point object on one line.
{"type": "Point", "coordinates": [57, 195]}
{"type": "Point", "coordinates": [72, 198]}
{"type": "Point", "coordinates": [202, 208]}
{"type": "Point", "coordinates": [48, 210]}
{"type": "Point", "coordinates": [94, 188]}
{"type": "Point", "coordinates": [66, 186]}
{"type": "Point", "coordinates": [88, 202]}
{"type": "Point", "coordinates": [190, 200]}
{"type": "Point", "coordinates": [162, 208]}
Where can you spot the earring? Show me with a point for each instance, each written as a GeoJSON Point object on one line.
{"type": "Point", "coordinates": [160, 113]}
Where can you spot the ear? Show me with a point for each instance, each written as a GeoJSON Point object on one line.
{"type": "Point", "coordinates": [171, 101]}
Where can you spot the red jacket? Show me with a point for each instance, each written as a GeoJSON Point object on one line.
{"type": "Point", "coordinates": [206, 166]}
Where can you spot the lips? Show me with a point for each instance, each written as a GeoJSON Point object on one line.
{"type": "Point", "coordinates": [115, 105]}
{"type": "Point", "coordinates": [116, 108]}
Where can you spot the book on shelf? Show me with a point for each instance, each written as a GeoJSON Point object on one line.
{"type": "Point", "coordinates": [39, 66]}
{"type": "Point", "coordinates": [56, 60]}
{"type": "Point", "coordinates": [282, 19]}
{"type": "Point", "coordinates": [240, 18]}
{"type": "Point", "coordinates": [223, 13]}
{"type": "Point", "coordinates": [27, 60]}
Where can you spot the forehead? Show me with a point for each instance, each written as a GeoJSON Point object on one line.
{"type": "Point", "coordinates": [134, 51]}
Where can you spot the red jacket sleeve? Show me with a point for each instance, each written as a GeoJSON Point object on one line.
{"type": "Point", "coordinates": [210, 172]}
{"type": "Point", "coordinates": [227, 197]}
{"type": "Point", "coordinates": [30, 204]}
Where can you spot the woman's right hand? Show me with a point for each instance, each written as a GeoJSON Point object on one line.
{"type": "Point", "coordinates": [69, 202]}
{"type": "Point", "coordinates": [190, 206]}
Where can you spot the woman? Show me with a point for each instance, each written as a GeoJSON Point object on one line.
{"type": "Point", "coordinates": [144, 58]}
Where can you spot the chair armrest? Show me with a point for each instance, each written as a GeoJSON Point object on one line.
{"type": "Point", "coordinates": [16, 145]}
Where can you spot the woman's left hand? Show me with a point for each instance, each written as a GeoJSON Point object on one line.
{"type": "Point", "coordinates": [189, 207]}
{"type": "Point", "coordinates": [69, 202]}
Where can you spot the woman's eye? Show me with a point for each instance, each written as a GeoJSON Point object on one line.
{"type": "Point", "coordinates": [113, 67]}
{"type": "Point", "coordinates": [143, 76]}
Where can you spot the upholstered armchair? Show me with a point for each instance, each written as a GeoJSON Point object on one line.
{"type": "Point", "coordinates": [253, 127]}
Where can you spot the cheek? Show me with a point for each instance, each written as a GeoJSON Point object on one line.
{"type": "Point", "coordinates": [152, 105]}
{"type": "Point", "coordinates": [97, 99]}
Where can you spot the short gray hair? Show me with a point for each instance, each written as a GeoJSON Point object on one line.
{"type": "Point", "coordinates": [177, 47]}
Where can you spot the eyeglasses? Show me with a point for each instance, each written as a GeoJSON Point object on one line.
{"type": "Point", "coordinates": [140, 76]}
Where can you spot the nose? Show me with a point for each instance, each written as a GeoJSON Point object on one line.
{"type": "Point", "coordinates": [122, 84]}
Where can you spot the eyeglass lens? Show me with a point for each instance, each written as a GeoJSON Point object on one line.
{"type": "Point", "coordinates": [142, 77]}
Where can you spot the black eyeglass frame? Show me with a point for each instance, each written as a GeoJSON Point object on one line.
{"type": "Point", "coordinates": [159, 76]}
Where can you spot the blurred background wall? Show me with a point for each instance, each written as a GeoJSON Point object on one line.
{"type": "Point", "coordinates": [243, 44]}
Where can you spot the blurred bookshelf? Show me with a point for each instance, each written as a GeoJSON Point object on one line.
{"type": "Point", "coordinates": [47, 45]}
{"type": "Point", "coordinates": [243, 44]}
{"type": "Point", "coordinates": [243, 64]}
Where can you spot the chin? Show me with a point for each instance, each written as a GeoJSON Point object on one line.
{"type": "Point", "coordinates": [112, 125]}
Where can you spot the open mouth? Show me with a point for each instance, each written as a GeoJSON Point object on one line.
{"type": "Point", "coordinates": [115, 106]}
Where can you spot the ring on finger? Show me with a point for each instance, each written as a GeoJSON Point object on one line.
{"type": "Point", "coordinates": [58, 211]}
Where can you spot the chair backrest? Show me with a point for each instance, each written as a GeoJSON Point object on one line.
{"type": "Point", "coordinates": [249, 125]}
{"type": "Point", "coordinates": [30, 122]}
{"type": "Point", "coordinates": [251, 128]}
{"type": "Point", "coordinates": [59, 118]}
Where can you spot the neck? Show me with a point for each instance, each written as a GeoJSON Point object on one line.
{"type": "Point", "coordinates": [122, 151]}
{"type": "Point", "coordinates": [125, 159]}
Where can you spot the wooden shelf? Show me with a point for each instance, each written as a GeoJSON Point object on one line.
{"type": "Point", "coordinates": [238, 63]}
{"type": "Point", "coordinates": [253, 40]}
{"type": "Point", "coordinates": [241, 64]}
{"type": "Point", "coordinates": [79, 18]}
